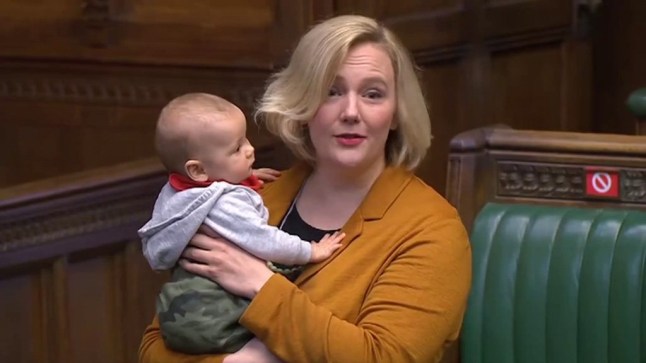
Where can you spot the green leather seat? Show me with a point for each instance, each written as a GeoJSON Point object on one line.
{"type": "Point", "coordinates": [556, 285]}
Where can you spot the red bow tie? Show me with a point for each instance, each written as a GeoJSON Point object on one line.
{"type": "Point", "coordinates": [180, 182]}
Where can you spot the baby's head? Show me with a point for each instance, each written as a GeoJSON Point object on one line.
{"type": "Point", "coordinates": [203, 137]}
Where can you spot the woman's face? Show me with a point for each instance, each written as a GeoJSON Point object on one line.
{"type": "Point", "coordinates": [350, 128]}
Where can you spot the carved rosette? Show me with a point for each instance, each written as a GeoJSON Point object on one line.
{"type": "Point", "coordinates": [633, 186]}
{"type": "Point", "coordinates": [97, 26]}
{"type": "Point", "coordinates": [541, 180]}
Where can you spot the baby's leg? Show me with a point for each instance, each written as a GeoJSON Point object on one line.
{"type": "Point", "coordinates": [197, 316]}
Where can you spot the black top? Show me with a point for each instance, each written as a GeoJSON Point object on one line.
{"type": "Point", "coordinates": [295, 225]}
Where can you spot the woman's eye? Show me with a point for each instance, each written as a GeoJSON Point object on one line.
{"type": "Point", "coordinates": [374, 94]}
{"type": "Point", "coordinates": [333, 92]}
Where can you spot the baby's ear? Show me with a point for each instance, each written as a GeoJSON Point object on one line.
{"type": "Point", "coordinates": [195, 171]}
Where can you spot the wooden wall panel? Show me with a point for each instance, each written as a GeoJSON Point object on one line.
{"type": "Point", "coordinates": [77, 309]}
{"type": "Point", "coordinates": [65, 118]}
{"type": "Point", "coordinates": [243, 34]}
{"type": "Point", "coordinates": [82, 82]}
{"type": "Point", "coordinates": [87, 95]}
{"type": "Point", "coordinates": [442, 84]}
{"type": "Point", "coordinates": [526, 88]}
{"type": "Point", "coordinates": [422, 26]}
{"type": "Point", "coordinates": [91, 299]}
{"type": "Point", "coordinates": [515, 17]}
{"type": "Point", "coordinates": [19, 309]}
{"type": "Point", "coordinates": [619, 62]}
{"type": "Point", "coordinates": [73, 280]}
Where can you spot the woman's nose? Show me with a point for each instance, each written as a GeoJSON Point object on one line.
{"type": "Point", "coordinates": [350, 112]}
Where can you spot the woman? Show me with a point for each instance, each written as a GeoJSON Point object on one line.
{"type": "Point", "coordinates": [350, 106]}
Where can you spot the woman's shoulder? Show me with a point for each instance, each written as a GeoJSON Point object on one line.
{"type": "Point", "coordinates": [428, 216]}
{"type": "Point", "coordinates": [427, 198]}
{"type": "Point", "coordinates": [410, 194]}
{"type": "Point", "coordinates": [425, 207]}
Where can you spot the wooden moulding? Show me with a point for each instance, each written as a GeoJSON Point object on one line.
{"type": "Point", "coordinates": [76, 212]}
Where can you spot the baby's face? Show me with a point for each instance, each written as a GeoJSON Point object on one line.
{"type": "Point", "coordinates": [226, 151]}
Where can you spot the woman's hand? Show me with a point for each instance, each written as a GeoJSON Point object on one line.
{"type": "Point", "coordinates": [252, 352]}
{"type": "Point", "coordinates": [225, 263]}
{"type": "Point", "coordinates": [266, 175]}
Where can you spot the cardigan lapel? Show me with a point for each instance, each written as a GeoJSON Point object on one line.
{"type": "Point", "coordinates": [381, 196]}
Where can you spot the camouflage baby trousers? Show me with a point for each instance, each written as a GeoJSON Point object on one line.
{"type": "Point", "coordinates": [197, 316]}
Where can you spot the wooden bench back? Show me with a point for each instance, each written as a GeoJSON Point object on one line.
{"type": "Point", "coordinates": [499, 164]}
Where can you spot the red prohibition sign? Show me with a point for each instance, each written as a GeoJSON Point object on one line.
{"type": "Point", "coordinates": [601, 182]}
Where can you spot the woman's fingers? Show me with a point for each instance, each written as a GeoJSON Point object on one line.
{"type": "Point", "coordinates": [206, 240]}
{"type": "Point", "coordinates": [198, 255]}
{"type": "Point", "coordinates": [197, 268]}
{"type": "Point", "coordinates": [266, 174]}
{"type": "Point", "coordinates": [206, 249]}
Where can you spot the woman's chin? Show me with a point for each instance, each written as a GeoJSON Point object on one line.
{"type": "Point", "coordinates": [350, 163]}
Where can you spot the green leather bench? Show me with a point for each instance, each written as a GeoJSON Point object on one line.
{"type": "Point", "coordinates": [558, 232]}
{"type": "Point", "coordinates": [556, 284]}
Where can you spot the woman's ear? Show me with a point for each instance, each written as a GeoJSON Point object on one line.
{"type": "Point", "coordinates": [195, 171]}
{"type": "Point", "coordinates": [394, 124]}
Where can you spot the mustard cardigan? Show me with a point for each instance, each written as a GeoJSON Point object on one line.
{"type": "Point", "coordinates": [395, 292]}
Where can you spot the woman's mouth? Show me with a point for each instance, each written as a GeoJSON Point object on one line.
{"type": "Point", "coordinates": [349, 139]}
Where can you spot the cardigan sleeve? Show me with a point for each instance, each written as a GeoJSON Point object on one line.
{"type": "Point", "coordinates": [415, 305]}
{"type": "Point", "coordinates": [153, 350]}
{"type": "Point", "coordinates": [242, 220]}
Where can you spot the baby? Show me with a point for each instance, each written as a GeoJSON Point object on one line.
{"type": "Point", "coordinates": [201, 140]}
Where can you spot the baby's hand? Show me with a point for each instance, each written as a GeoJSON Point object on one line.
{"type": "Point", "coordinates": [327, 245]}
{"type": "Point", "coordinates": [266, 174]}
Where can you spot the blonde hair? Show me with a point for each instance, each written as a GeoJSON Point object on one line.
{"type": "Point", "coordinates": [181, 124]}
{"type": "Point", "coordinates": [294, 94]}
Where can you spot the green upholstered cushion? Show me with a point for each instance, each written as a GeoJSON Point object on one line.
{"type": "Point", "coordinates": [556, 285]}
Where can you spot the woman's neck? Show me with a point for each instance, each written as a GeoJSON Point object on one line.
{"type": "Point", "coordinates": [332, 180]}
{"type": "Point", "coordinates": [329, 196]}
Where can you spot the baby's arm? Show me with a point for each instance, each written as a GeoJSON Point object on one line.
{"type": "Point", "coordinates": [239, 218]}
